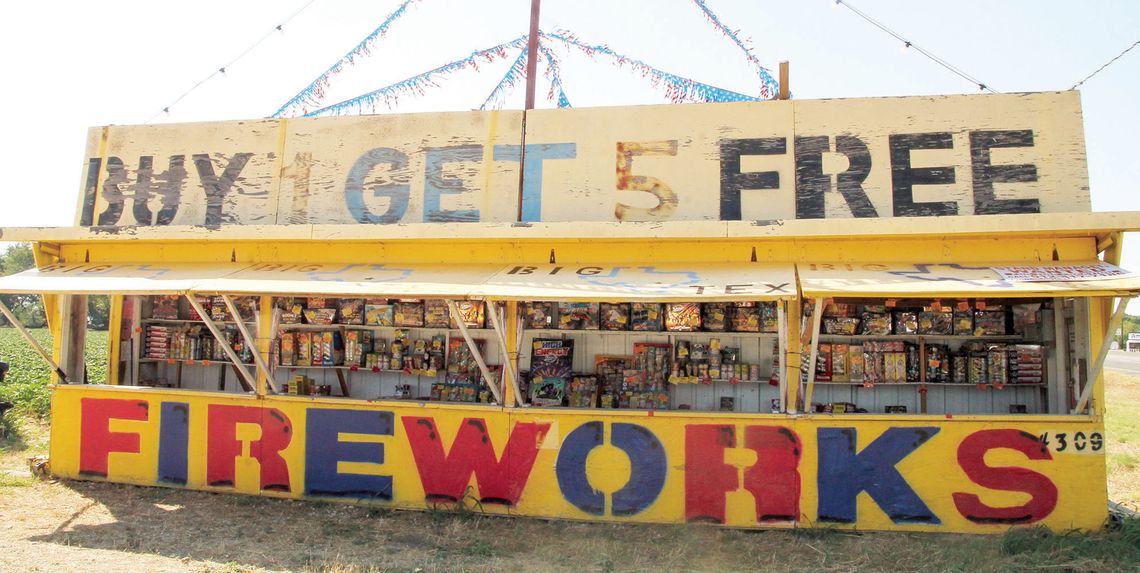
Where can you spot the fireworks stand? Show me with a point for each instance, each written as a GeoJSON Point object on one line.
{"type": "Point", "coordinates": [740, 314]}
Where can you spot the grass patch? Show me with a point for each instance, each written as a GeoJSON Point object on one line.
{"type": "Point", "coordinates": [1122, 429]}
{"type": "Point", "coordinates": [1074, 550]}
{"type": "Point", "coordinates": [26, 385]}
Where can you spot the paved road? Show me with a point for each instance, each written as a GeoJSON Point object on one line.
{"type": "Point", "coordinates": [1121, 361]}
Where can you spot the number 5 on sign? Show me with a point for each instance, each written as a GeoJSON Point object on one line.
{"type": "Point", "coordinates": [627, 181]}
{"type": "Point", "coordinates": [1078, 442]}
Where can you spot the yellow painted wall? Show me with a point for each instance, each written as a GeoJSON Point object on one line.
{"type": "Point", "coordinates": [918, 473]}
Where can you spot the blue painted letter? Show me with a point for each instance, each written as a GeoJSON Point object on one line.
{"type": "Point", "coordinates": [647, 462]}
{"type": "Point", "coordinates": [536, 153]}
{"type": "Point", "coordinates": [397, 191]}
{"type": "Point", "coordinates": [436, 185]}
{"type": "Point", "coordinates": [324, 449]}
{"type": "Point", "coordinates": [843, 474]}
{"type": "Point", "coordinates": [173, 442]}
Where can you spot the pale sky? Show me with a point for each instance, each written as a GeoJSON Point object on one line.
{"type": "Point", "coordinates": [70, 65]}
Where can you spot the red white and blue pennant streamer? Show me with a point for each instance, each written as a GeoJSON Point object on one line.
{"type": "Point", "coordinates": [312, 95]}
{"type": "Point", "coordinates": [768, 85]}
{"type": "Point", "coordinates": [516, 72]}
{"type": "Point", "coordinates": [418, 85]}
{"type": "Point", "coordinates": [677, 89]}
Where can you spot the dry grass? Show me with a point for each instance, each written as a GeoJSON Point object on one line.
{"type": "Point", "coordinates": [70, 526]}
{"type": "Point", "coordinates": [1122, 429]}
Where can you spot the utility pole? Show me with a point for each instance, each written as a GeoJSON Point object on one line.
{"type": "Point", "coordinates": [531, 71]}
{"type": "Point", "coordinates": [785, 89]}
{"type": "Point", "coordinates": [532, 53]}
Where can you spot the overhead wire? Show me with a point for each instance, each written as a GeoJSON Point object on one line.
{"type": "Point", "coordinates": [909, 44]}
{"type": "Point", "coordinates": [1108, 63]}
{"type": "Point", "coordinates": [222, 69]}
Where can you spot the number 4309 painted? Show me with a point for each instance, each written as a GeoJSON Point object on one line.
{"type": "Point", "coordinates": [1079, 442]}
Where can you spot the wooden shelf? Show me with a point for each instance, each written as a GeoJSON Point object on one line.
{"type": "Point", "coordinates": [186, 321]}
{"type": "Point", "coordinates": [194, 362]}
{"type": "Point", "coordinates": [915, 337]}
{"type": "Point", "coordinates": [363, 369]}
{"type": "Point", "coordinates": [697, 333]}
{"type": "Point", "coordinates": [721, 380]}
{"type": "Point", "coordinates": [285, 327]}
{"type": "Point", "coordinates": [927, 384]}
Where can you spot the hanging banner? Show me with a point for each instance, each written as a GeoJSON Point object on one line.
{"type": "Point", "coordinates": [1061, 272]}
{"type": "Point", "coordinates": [742, 161]}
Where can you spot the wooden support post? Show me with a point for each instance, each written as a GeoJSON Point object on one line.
{"type": "Point", "coordinates": [817, 315]}
{"type": "Point", "coordinates": [922, 381]}
{"type": "Point", "coordinates": [32, 341]}
{"type": "Point", "coordinates": [248, 382]}
{"type": "Point", "coordinates": [791, 364]}
{"type": "Point", "coordinates": [343, 380]}
{"type": "Point", "coordinates": [73, 336]}
{"type": "Point", "coordinates": [454, 310]}
{"type": "Point", "coordinates": [264, 379]}
{"type": "Point", "coordinates": [267, 332]}
{"type": "Point", "coordinates": [510, 352]}
{"type": "Point", "coordinates": [1102, 353]}
{"type": "Point", "coordinates": [114, 338]}
{"type": "Point", "coordinates": [781, 340]}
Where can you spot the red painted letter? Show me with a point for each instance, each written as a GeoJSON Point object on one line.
{"type": "Point", "coordinates": [445, 475]}
{"type": "Point", "coordinates": [707, 477]}
{"type": "Point", "coordinates": [774, 479]}
{"type": "Point", "coordinates": [222, 445]}
{"type": "Point", "coordinates": [971, 456]}
{"type": "Point", "coordinates": [96, 439]}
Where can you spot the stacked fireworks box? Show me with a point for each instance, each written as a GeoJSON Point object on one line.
{"type": "Point", "coordinates": [158, 341]}
{"type": "Point", "coordinates": [645, 385]}
{"type": "Point", "coordinates": [1027, 364]}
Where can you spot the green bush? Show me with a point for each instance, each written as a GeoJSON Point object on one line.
{"type": "Point", "coordinates": [26, 385]}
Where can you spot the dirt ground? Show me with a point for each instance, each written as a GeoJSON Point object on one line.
{"type": "Point", "coordinates": [97, 527]}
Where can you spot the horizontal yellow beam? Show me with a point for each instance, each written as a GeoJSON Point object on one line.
{"type": "Point", "coordinates": [1050, 224]}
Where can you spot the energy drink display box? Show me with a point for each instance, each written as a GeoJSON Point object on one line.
{"type": "Point", "coordinates": [551, 360]}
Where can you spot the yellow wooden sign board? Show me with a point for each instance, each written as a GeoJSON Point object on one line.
{"type": "Point", "coordinates": [922, 473]}
{"type": "Point", "coordinates": [749, 161]}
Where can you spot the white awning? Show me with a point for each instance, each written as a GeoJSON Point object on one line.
{"type": "Point", "coordinates": [380, 279]}
{"type": "Point", "coordinates": [1045, 279]}
{"type": "Point", "coordinates": [604, 282]}
{"type": "Point", "coordinates": [118, 278]}
{"type": "Point", "coordinates": [681, 282]}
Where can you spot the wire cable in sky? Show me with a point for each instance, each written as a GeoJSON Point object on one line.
{"type": "Point", "coordinates": [222, 69]}
{"type": "Point", "coordinates": [909, 44]}
{"type": "Point", "coordinates": [1108, 63]}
